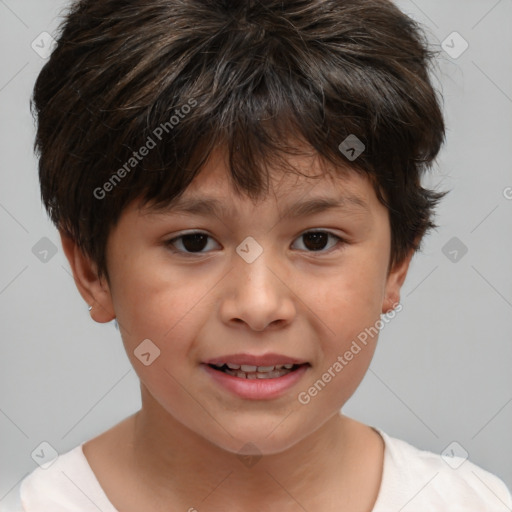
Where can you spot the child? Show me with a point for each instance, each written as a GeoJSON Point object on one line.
{"type": "Point", "coordinates": [286, 140]}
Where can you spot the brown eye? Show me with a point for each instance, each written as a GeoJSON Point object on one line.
{"type": "Point", "coordinates": [190, 243]}
{"type": "Point", "coordinates": [316, 241]}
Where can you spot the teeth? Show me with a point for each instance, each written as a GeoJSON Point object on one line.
{"type": "Point", "coordinates": [249, 371]}
{"type": "Point", "coordinates": [265, 368]}
{"type": "Point", "coordinates": [274, 374]}
{"type": "Point", "coordinates": [251, 368]}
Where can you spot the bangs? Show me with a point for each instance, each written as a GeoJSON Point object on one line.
{"type": "Point", "coordinates": [269, 117]}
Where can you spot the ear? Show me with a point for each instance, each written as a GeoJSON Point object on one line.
{"type": "Point", "coordinates": [394, 282]}
{"type": "Point", "coordinates": [94, 290]}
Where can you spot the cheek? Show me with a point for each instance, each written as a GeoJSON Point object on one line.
{"type": "Point", "coordinates": [157, 329]}
{"type": "Point", "coordinates": [353, 300]}
{"type": "Point", "coordinates": [349, 307]}
{"type": "Point", "coordinates": [151, 299]}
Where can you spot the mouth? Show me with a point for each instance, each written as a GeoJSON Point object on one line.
{"type": "Point", "coordinates": [245, 371]}
{"type": "Point", "coordinates": [256, 376]}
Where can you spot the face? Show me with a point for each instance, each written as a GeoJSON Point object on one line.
{"type": "Point", "coordinates": [285, 280]}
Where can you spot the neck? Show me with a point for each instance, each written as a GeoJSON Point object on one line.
{"type": "Point", "coordinates": [170, 457]}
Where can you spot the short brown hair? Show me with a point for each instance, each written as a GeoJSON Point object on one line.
{"type": "Point", "coordinates": [249, 76]}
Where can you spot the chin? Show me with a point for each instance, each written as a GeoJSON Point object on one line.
{"type": "Point", "coordinates": [257, 441]}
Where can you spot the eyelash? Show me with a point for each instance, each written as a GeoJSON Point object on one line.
{"type": "Point", "coordinates": [340, 240]}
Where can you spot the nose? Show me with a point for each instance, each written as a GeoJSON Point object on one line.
{"type": "Point", "coordinates": [257, 294]}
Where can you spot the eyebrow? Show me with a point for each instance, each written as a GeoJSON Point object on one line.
{"type": "Point", "coordinates": [215, 207]}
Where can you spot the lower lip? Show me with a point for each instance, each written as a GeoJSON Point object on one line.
{"type": "Point", "coordinates": [256, 389]}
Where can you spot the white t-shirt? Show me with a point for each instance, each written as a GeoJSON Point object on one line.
{"type": "Point", "coordinates": [412, 481]}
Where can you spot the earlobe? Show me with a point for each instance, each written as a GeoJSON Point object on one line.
{"type": "Point", "coordinates": [94, 290]}
{"type": "Point", "coordinates": [394, 282]}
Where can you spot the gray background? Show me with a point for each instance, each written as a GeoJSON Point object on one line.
{"type": "Point", "coordinates": [441, 372]}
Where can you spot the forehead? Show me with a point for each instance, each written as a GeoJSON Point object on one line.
{"type": "Point", "coordinates": [305, 186]}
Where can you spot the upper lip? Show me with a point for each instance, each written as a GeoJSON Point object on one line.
{"type": "Point", "coordinates": [255, 360]}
